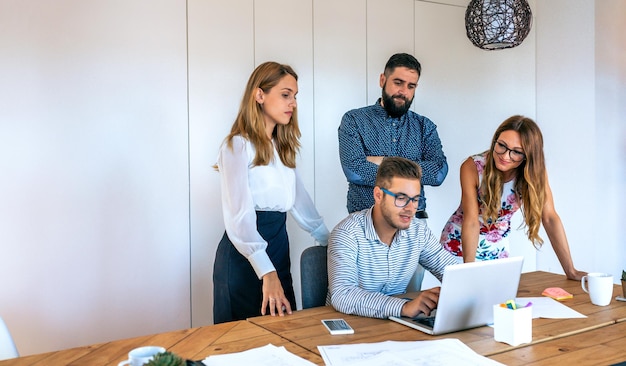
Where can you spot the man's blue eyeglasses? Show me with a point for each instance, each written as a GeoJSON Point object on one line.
{"type": "Point", "coordinates": [401, 199]}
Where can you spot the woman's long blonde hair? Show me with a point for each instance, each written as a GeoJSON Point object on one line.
{"type": "Point", "coordinates": [250, 122]}
{"type": "Point", "coordinates": [530, 177]}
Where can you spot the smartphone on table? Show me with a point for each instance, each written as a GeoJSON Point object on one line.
{"type": "Point", "coordinates": [337, 326]}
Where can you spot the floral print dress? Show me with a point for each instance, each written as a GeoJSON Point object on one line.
{"type": "Point", "coordinates": [493, 242]}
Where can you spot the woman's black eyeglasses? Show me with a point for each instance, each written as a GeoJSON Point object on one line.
{"type": "Point", "coordinates": [514, 155]}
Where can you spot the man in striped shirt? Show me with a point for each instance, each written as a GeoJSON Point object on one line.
{"type": "Point", "coordinates": [373, 253]}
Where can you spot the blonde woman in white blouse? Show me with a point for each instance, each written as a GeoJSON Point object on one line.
{"type": "Point", "coordinates": [260, 185]}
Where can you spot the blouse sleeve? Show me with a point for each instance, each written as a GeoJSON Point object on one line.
{"type": "Point", "coordinates": [238, 206]}
{"type": "Point", "coordinates": [306, 215]}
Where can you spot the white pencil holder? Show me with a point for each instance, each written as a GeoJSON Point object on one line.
{"type": "Point", "coordinates": [512, 326]}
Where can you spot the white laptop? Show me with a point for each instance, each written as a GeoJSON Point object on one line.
{"type": "Point", "coordinates": [468, 293]}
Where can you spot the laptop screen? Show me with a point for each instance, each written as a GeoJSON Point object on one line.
{"type": "Point", "coordinates": [468, 293]}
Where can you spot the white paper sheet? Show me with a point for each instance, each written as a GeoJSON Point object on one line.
{"type": "Point", "coordinates": [546, 307]}
{"type": "Point", "coordinates": [266, 355]}
{"type": "Point", "coordinates": [448, 351]}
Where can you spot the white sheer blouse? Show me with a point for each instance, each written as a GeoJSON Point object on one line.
{"type": "Point", "coordinates": [247, 189]}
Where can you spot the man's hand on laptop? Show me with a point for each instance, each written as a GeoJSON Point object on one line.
{"type": "Point", "coordinates": [424, 303]}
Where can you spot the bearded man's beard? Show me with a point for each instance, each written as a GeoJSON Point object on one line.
{"type": "Point", "coordinates": [395, 111]}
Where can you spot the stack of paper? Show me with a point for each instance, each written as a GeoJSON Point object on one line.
{"type": "Point", "coordinates": [439, 352]}
{"type": "Point", "coordinates": [546, 307]}
{"type": "Point", "coordinates": [266, 355]}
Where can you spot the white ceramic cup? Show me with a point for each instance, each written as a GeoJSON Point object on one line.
{"type": "Point", "coordinates": [142, 355]}
{"type": "Point", "coordinates": [599, 286]}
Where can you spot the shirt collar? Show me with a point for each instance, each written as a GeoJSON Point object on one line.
{"type": "Point", "coordinates": [380, 110]}
{"type": "Point", "coordinates": [370, 231]}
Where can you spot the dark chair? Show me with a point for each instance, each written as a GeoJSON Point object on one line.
{"type": "Point", "coordinates": [415, 284]}
{"type": "Point", "coordinates": [314, 276]}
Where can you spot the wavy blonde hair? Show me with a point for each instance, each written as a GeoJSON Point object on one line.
{"type": "Point", "coordinates": [250, 122]}
{"type": "Point", "coordinates": [530, 177]}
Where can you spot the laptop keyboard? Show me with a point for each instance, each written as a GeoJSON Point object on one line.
{"type": "Point", "coordinates": [429, 321]}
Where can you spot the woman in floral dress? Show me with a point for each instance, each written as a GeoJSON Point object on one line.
{"type": "Point", "coordinates": [494, 185]}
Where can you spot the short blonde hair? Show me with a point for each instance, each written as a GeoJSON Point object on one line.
{"type": "Point", "coordinates": [395, 166]}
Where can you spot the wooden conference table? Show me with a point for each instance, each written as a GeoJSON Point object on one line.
{"type": "Point", "coordinates": [303, 327]}
{"type": "Point", "coordinates": [600, 338]}
{"type": "Point", "coordinates": [193, 344]}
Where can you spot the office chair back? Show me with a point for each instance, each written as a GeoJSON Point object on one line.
{"type": "Point", "coordinates": [415, 284]}
{"type": "Point", "coordinates": [7, 347]}
{"type": "Point", "coordinates": [314, 276]}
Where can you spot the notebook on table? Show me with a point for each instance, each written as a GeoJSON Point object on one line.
{"type": "Point", "coordinates": [468, 293]}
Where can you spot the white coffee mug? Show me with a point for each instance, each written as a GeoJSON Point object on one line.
{"type": "Point", "coordinates": [142, 355]}
{"type": "Point", "coordinates": [599, 286]}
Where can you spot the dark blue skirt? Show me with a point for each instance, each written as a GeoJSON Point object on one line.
{"type": "Point", "coordinates": [237, 291]}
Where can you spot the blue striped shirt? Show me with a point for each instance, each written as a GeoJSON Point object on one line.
{"type": "Point", "coordinates": [370, 131]}
{"type": "Point", "coordinates": [364, 272]}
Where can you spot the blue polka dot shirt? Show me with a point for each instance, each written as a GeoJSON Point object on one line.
{"type": "Point", "coordinates": [370, 131]}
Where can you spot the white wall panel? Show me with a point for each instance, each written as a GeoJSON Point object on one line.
{"type": "Point", "coordinates": [221, 59]}
{"type": "Point", "coordinates": [340, 85]}
{"type": "Point", "coordinates": [93, 152]}
{"type": "Point", "coordinates": [390, 29]}
{"type": "Point", "coordinates": [566, 114]}
{"type": "Point", "coordinates": [610, 144]}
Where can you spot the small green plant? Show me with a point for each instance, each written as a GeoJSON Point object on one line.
{"type": "Point", "coordinates": [166, 359]}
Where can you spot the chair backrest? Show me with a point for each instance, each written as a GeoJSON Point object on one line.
{"type": "Point", "coordinates": [7, 347]}
{"type": "Point", "coordinates": [314, 276]}
{"type": "Point", "coordinates": [415, 284]}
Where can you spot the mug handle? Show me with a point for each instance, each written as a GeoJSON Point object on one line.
{"type": "Point", "coordinates": [582, 283]}
{"type": "Point", "coordinates": [125, 362]}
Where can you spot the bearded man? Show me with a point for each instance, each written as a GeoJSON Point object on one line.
{"type": "Point", "coordinates": [389, 128]}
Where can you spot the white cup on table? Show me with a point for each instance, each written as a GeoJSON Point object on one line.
{"type": "Point", "coordinates": [599, 286]}
{"type": "Point", "coordinates": [142, 355]}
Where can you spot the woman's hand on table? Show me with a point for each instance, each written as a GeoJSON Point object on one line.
{"type": "Point", "coordinates": [274, 296]}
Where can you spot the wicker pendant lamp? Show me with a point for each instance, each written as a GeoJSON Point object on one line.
{"type": "Point", "coordinates": [497, 24]}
